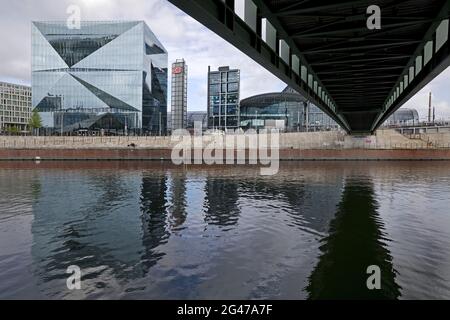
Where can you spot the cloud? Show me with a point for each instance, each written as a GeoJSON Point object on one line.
{"type": "Point", "coordinates": [439, 88]}
{"type": "Point", "coordinates": [182, 36]}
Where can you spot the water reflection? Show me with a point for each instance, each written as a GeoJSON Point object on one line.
{"type": "Point", "coordinates": [88, 220]}
{"type": "Point", "coordinates": [221, 202]}
{"type": "Point", "coordinates": [154, 205]}
{"type": "Point", "coordinates": [300, 197]}
{"type": "Point", "coordinates": [150, 231]}
{"type": "Point", "coordinates": [356, 240]}
{"type": "Point", "coordinates": [178, 202]}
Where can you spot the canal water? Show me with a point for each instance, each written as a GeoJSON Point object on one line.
{"type": "Point", "coordinates": [156, 231]}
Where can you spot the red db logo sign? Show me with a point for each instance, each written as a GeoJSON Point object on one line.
{"type": "Point", "coordinates": [177, 70]}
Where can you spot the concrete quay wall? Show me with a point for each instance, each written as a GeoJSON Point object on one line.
{"type": "Point", "coordinates": [385, 145]}
{"type": "Point", "coordinates": [384, 139]}
{"type": "Point", "coordinates": [165, 154]}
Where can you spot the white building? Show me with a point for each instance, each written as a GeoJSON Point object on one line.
{"type": "Point", "coordinates": [15, 106]}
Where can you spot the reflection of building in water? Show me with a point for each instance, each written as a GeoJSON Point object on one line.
{"type": "Point", "coordinates": [355, 242]}
{"type": "Point", "coordinates": [19, 189]}
{"type": "Point", "coordinates": [310, 203]}
{"type": "Point", "coordinates": [221, 201]}
{"type": "Point", "coordinates": [178, 201]}
{"type": "Point", "coordinates": [78, 220]}
{"type": "Point", "coordinates": [110, 225]}
{"type": "Point", "coordinates": [154, 208]}
{"type": "Point", "coordinates": [18, 185]}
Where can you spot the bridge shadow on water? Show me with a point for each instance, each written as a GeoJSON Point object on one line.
{"type": "Point", "coordinates": [356, 240]}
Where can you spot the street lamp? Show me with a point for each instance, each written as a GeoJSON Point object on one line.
{"type": "Point", "coordinates": [160, 124]}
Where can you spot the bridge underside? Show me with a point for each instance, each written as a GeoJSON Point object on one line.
{"type": "Point", "coordinates": [324, 49]}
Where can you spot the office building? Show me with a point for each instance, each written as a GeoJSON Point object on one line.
{"type": "Point", "coordinates": [105, 75]}
{"type": "Point", "coordinates": [193, 117]}
{"type": "Point", "coordinates": [179, 95]}
{"type": "Point", "coordinates": [403, 117]}
{"type": "Point", "coordinates": [197, 117]}
{"type": "Point", "coordinates": [223, 98]}
{"type": "Point", "coordinates": [15, 107]}
{"type": "Point", "coordinates": [286, 110]}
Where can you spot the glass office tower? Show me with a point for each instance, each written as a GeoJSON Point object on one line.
{"type": "Point", "coordinates": [223, 98]}
{"type": "Point", "coordinates": [105, 75]}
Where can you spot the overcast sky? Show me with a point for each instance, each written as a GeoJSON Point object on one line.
{"type": "Point", "coordinates": [182, 36]}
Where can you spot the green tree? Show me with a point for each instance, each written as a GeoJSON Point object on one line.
{"type": "Point", "coordinates": [13, 130]}
{"type": "Point", "coordinates": [35, 121]}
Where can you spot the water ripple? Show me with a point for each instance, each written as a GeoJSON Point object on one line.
{"type": "Point", "coordinates": [152, 231]}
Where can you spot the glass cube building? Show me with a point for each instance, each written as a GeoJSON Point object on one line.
{"type": "Point", "coordinates": [105, 75]}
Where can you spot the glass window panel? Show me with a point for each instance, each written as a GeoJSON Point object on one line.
{"type": "Point", "coordinates": [296, 64]}
{"type": "Point", "coordinates": [418, 65]}
{"type": "Point", "coordinates": [304, 74]}
{"type": "Point", "coordinates": [428, 52]}
{"type": "Point", "coordinates": [233, 76]}
{"type": "Point", "coordinates": [232, 109]}
{"type": "Point", "coordinates": [284, 51]}
{"type": "Point", "coordinates": [214, 88]}
{"type": "Point", "coordinates": [441, 34]}
{"type": "Point", "coordinates": [214, 78]}
{"type": "Point", "coordinates": [232, 98]}
{"type": "Point", "coordinates": [247, 11]}
{"type": "Point", "coordinates": [233, 87]}
{"type": "Point", "coordinates": [269, 34]}
{"type": "Point", "coordinates": [411, 74]}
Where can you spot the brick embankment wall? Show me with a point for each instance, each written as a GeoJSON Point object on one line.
{"type": "Point", "coordinates": [366, 154]}
{"type": "Point", "coordinates": [165, 154]}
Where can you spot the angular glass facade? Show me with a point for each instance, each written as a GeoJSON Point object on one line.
{"type": "Point", "coordinates": [118, 69]}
